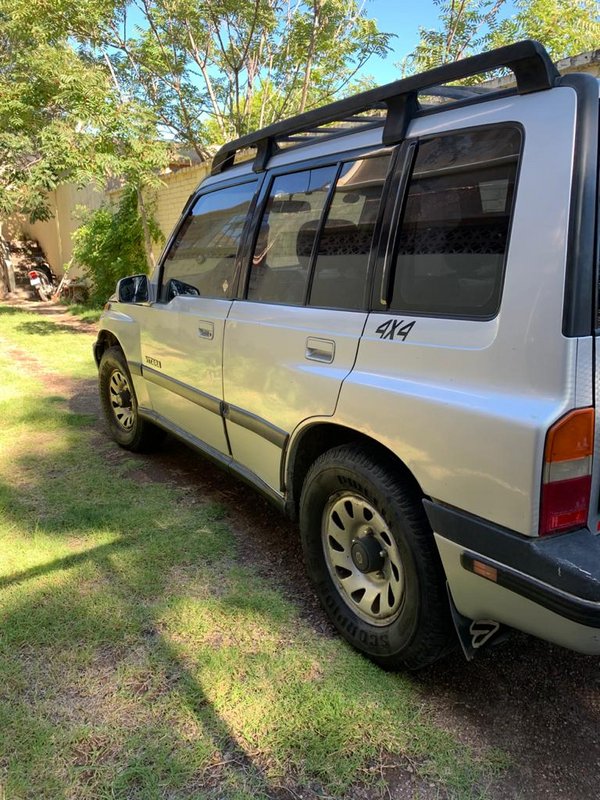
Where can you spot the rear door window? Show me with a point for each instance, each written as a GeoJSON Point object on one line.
{"type": "Point", "coordinates": [344, 247]}
{"type": "Point", "coordinates": [282, 254]}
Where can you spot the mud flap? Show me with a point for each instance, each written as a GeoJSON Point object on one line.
{"type": "Point", "coordinates": [474, 634]}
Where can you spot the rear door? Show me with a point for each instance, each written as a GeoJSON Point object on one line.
{"type": "Point", "coordinates": [292, 340]}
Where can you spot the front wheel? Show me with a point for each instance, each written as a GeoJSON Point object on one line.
{"type": "Point", "coordinates": [371, 556]}
{"type": "Point", "coordinates": [120, 407]}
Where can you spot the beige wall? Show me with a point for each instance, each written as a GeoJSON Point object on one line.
{"type": "Point", "coordinates": [55, 234]}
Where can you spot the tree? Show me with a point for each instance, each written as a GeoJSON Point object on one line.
{"type": "Point", "coordinates": [564, 27]}
{"type": "Point", "coordinates": [212, 70]}
{"type": "Point", "coordinates": [96, 89]}
{"type": "Point", "coordinates": [63, 118]}
{"type": "Point", "coordinates": [465, 27]}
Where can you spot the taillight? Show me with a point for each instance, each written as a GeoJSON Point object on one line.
{"type": "Point", "coordinates": [567, 472]}
{"type": "Point", "coordinates": [32, 274]}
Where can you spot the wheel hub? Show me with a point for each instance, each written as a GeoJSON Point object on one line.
{"type": "Point", "coordinates": [367, 554]}
{"type": "Point", "coordinates": [124, 398]}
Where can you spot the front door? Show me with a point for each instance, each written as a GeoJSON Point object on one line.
{"type": "Point", "coordinates": [182, 342]}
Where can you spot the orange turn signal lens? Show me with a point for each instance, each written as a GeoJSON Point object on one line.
{"type": "Point", "coordinates": [571, 437]}
{"type": "Point", "coordinates": [491, 573]}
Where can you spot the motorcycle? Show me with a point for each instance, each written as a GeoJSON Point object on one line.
{"type": "Point", "coordinates": [42, 280]}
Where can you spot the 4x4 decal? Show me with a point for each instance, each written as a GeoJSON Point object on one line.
{"type": "Point", "coordinates": [394, 329]}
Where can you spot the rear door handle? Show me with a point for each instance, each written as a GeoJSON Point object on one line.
{"type": "Point", "coordinates": [320, 350]}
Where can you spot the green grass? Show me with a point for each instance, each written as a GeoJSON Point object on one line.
{"type": "Point", "coordinates": [139, 658]}
{"type": "Point", "coordinates": [84, 312]}
{"type": "Point", "coordinates": [60, 348]}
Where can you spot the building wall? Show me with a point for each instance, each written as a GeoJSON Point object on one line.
{"type": "Point", "coordinates": [54, 235]}
{"type": "Point", "coordinates": [68, 201]}
{"type": "Point", "coordinates": [584, 62]}
{"type": "Point", "coordinates": [170, 199]}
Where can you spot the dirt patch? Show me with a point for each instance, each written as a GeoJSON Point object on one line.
{"type": "Point", "coordinates": [54, 310]}
{"type": "Point", "coordinates": [538, 703]}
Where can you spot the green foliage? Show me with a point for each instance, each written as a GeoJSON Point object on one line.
{"type": "Point", "coordinates": [110, 245]}
{"type": "Point", "coordinates": [564, 27]}
{"type": "Point", "coordinates": [215, 70]}
{"type": "Point", "coordinates": [62, 116]}
{"type": "Point", "coordinates": [463, 30]}
{"type": "Point", "coordinates": [89, 88]}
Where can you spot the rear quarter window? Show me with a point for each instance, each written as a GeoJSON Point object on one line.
{"type": "Point", "coordinates": [455, 225]}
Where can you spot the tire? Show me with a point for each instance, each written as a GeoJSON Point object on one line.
{"type": "Point", "coordinates": [354, 510]}
{"type": "Point", "coordinates": [120, 407]}
{"type": "Point", "coordinates": [45, 289]}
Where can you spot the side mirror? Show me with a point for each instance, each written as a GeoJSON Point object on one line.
{"type": "Point", "coordinates": [134, 289]}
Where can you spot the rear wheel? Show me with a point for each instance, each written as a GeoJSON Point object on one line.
{"type": "Point", "coordinates": [120, 407]}
{"type": "Point", "coordinates": [44, 288]}
{"type": "Point", "coordinates": [371, 555]}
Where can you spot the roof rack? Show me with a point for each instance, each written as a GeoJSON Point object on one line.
{"type": "Point", "coordinates": [528, 60]}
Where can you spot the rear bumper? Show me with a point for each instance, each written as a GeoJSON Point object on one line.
{"type": "Point", "coordinates": [549, 587]}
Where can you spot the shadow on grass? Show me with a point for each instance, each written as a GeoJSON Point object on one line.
{"type": "Point", "coordinates": [47, 327]}
{"type": "Point", "coordinates": [129, 629]}
{"type": "Point", "coordinates": [7, 311]}
{"type": "Point", "coordinates": [93, 554]}
{"type": "Point", "coordinates": [105, 595]}
{"type": "Point", "coordinates": [86, 313]}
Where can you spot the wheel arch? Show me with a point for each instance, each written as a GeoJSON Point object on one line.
{"type": "Point", "coordinates": [315, 439]}
{"type": "Point", "coordinates": [105, 340]}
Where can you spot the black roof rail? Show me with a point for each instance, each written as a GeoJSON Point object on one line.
{"type": "Point", "coordinates": [528, 60]}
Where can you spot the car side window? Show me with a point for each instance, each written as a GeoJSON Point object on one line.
{"type": "Point", "coordinates": [340, 272]}
{"type": "Point", "coordinates": [454, 229]}
{"type": "Point", "coordinates": [282, 254]}
{"type": "Point", "coordinates": [201, 259]}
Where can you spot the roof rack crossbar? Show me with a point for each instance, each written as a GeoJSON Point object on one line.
{"type": "Point", "coordinates": [528, 60]}
{"type": "Point", "coordinates": [361, 117]}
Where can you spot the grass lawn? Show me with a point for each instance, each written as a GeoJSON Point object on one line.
{"type": "Point", "coordinates": [140, 659]}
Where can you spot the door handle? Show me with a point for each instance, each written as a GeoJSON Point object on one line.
{"type": "Point", "coordinates": [320, 350]}
{"type": "Point", "coordinates": [206, 329]}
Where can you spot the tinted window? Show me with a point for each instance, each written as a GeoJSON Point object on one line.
{"type": "Point", "coordinates": [202, 257]}
{"type": "Point", "coordinates": [454, 230]}
{"type": "Point", "coordinates": [345, 243]}
{"type": "Point", "coordinates": [281, 259]}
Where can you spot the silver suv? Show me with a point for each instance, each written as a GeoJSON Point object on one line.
{"type": "Point", "coordinates": [382, 314]}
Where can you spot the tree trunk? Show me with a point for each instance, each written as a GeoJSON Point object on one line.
{"type": "Point", "coordinates": [146, 228]}
{"type": "Point", "coordinates": [316, 22]}
{"type": "Point", "coordinates": [7, 273]}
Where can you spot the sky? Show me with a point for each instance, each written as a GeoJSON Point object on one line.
{"type": "Point", "coordinates": [403, 18]}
